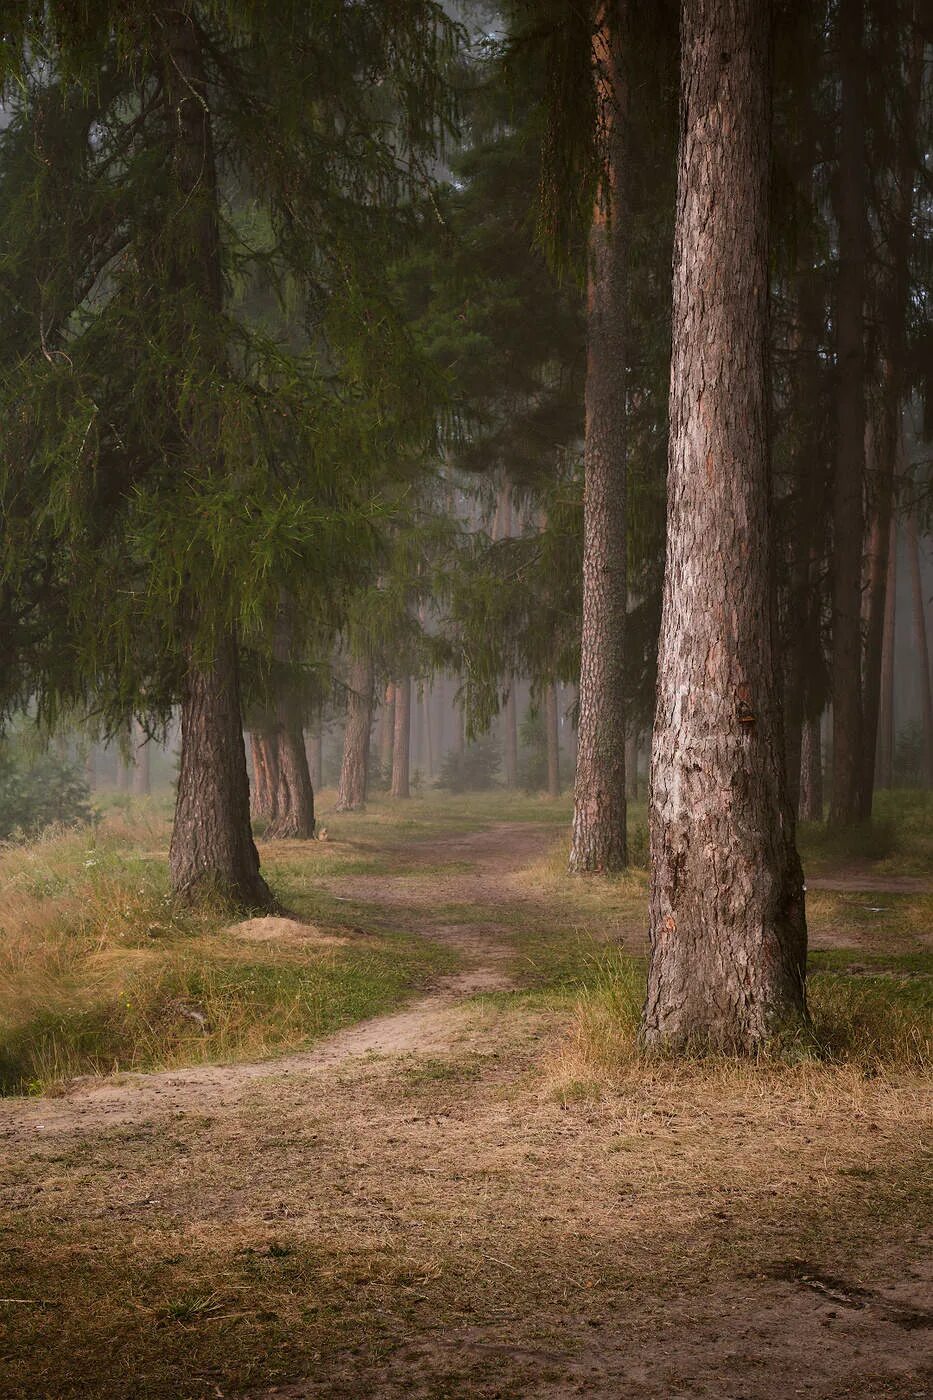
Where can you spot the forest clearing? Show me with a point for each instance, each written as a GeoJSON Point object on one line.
{"type": "Point", "coordinates": [475, 1186]}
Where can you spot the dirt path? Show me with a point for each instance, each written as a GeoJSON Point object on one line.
{"type": "Point", "coordinates": [470, 1232]}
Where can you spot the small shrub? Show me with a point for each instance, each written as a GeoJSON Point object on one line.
{"type": "Point", "coordinates": [473, 770]}
{"type": "Point", "coordinates": [38, 791]}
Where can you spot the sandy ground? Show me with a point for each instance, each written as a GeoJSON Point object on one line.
{"type": "Point", "coordinates": [536, 1194]}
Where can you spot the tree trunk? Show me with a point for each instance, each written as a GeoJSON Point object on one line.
{"type": "Point", "coordinates": [848, 522]}
{"type": "Point", "coordinates": [212, 852]}
{"type": "Point", "coordinates": [402, 745]}
{"type": "Point", "coordinates": [727, 927]}
{"type": "Point", "coordinates": [387, 733]}
{"type": "Point", "coordinates": [428, 732]}
{"type": "Point", "coordinates": [599, 812]}
{"type": "Point", "coordinates": [631, 766]}
{"type": "Point", "coordinates": [294, 798]}
{"type": "Point", "coordinates": [510, 725]}
{"type": "Point", "coordinates": [552, 726]}
{"type": "Point", "coordinates": [351, 789]}
{"type": "Point", "coordinates": [264, 791]}
{"type": "Point", "coordinates": [923, 653]}
{"type": "Point", "coordinates": [893, 298]}
{"type": "Point", "coordinates": [314, 753]}
{"type": "Point", "coordinates": [811, 772]}
{"type": "Point", "coordinates": [885, 773]}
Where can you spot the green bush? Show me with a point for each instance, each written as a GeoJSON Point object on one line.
{"type": "Point", "coordinates": [39, 790]}
{"type": "Point", "coordinates": [473, 770]}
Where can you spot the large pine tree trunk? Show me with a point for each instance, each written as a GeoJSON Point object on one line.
{"type": "Point", "coordinates": [401, 749]}
{"type": "Point", "coordinates": [848, 522]}
{"type": "Point", "coordinates": [351, 788]}
{"type": "Point", "coordinates": [552, 730]}
{"type": "Point", "coordinates": [212, 851]}
{"type": "Point", "coordinates": [885, 759]}
{"type": "Point", "coordinates": [599, 812]}
{"type": "Point", "coordinates": [727, 929]}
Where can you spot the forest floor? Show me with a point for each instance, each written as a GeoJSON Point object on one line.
{"type": "Point", "coordinates": [484, 1190]}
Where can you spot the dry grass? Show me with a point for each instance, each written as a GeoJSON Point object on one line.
{"type": "Point", "coordinates": [99, 972]}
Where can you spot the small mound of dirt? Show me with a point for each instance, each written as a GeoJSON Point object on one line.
{"type": "Point", "coordinates": [275, 929]}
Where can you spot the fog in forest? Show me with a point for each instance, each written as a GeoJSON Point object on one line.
{"type": "Point", "coordinates": [466, 704]}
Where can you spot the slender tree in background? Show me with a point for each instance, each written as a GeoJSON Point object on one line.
{"type": "Point", "coordinates": [351, 788]}
{"type": "Point", "coordinates": [885, 756]}
{"type": "Point", "coordinates": [922, 647]}
{"type": "Point", "coordinates": [727, 928]}
{"type": "Point", "coordinates": [599, 813]}
{"type": "Point", "coordinates": [401, 747]}
{"type": "Point", "coordinates": [848, 487]}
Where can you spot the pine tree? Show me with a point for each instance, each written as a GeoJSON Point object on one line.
{"type": "Point", "coordinates": [727, 930]}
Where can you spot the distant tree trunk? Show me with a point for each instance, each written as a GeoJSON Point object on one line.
{"type": "Point", "coordinates": [552, 727]}
{"type": "Point", "coordinates": [141, 768]}
{"type": "Point", "coordinates": [428, 732]}
{"type": "Point", "coordinates": [811, 772]}
{"type": "Point", "coordinates": [893, 275]}
{"type": "Point", "coordinates": [885, 772]}
{"type": "Point", "coordinates": [123, 773]}
{"type": "Point", "coordinates": [727, 928]}
{"type": "Point", "coordinates": [599, 812]}
{"type": "Point", "coordinates": [631, 766]}
{"type": "Point", "coordinates": [314, 751]}
{"type": "Point", "coordinates": [351, 789]}
{"type": "Point", "coordinates": [510, 736]}
{"type": "Point", "coordinates": [90, 767]}
{"type": "Point", "coordinates": [264, 791]}
{"type": "Point", "coordinates": [212, 851]}
{"type": "Point", "coordinates": [923, 653]}
{"type": "Point", "coordinates": [387, 732]}
{"type": "Point", "coordinates": [294, 798]}
{"type": "Point", "coordinates": [401, 748]}
{"type": "Point", "coordinates": [848, 522]}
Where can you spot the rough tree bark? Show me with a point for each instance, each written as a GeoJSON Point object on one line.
{"type": "Point", "coordinates": [265, 785]}
{"type": "Point", "coordinates": [599, 809]}
{"type": "Point", "coordinates": [848, 521]}
{"type": "Point", "coordinates": [212, 849]}
{"type": "Point", "coordinates": [552, 729]}
{"type": "Point", "coordinates": [727, 928]}
{"type": "Point", "coordinates": [923, 653]}
{"type": "Point", "coordinates": [401, 748]}
{"type": "Point", "coordinates": [351, 788]}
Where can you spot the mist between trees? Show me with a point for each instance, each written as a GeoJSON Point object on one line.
{"type": "Point", "coordinates": [355, 435]}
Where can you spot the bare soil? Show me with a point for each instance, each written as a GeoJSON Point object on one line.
{"type": "Point", "coordinates": [679, 1238]}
